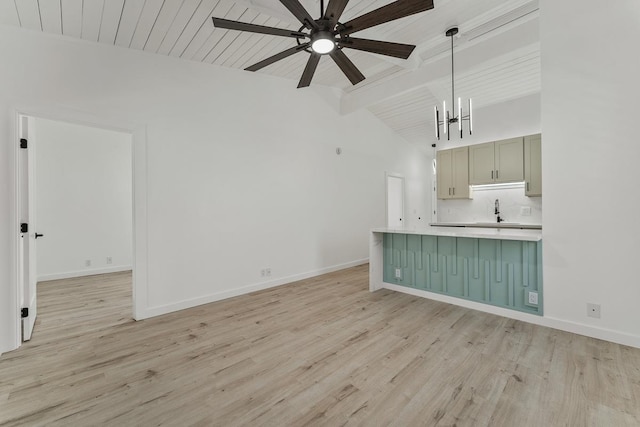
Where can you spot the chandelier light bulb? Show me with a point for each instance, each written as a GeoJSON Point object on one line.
{"type": "Point", "coordinates": [470, 117]}
{"type": "Point", "coordinates": [446, 115]}
{"type": "Point", "coordinates": [460, 114]}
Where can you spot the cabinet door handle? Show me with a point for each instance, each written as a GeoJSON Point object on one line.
{"type": "Point", "coordinates": [449, 190]}
{"type": "Point", "coordinates": [491, 174]}
{"type": "Point", "coordinates": [497, 175]}
{"type": "Point", "coordinates": [527, 186]}
{"type": "Point", "coordinates": [454, 191]}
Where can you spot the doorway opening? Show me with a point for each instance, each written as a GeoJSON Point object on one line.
{"type": "Point", "coordinates": [395, 200]}
{"type": "Point", "coordinates": [75, 206]}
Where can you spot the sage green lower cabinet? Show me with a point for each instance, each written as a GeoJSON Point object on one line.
{"type": "Point", "coordinates": [503, 273]}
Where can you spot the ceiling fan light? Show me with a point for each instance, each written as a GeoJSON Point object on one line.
{"type": "Point", "coordinates": [322, 42]}
{"type": "Point", "coordinates": [323, 45]}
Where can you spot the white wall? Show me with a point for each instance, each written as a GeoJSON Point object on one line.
{"type": "Point", "coordinates": [241, 168]}
{"type": "Point", "coordinates": [83, 199]}
{"type": "Point", "coordinates": [590, 153]}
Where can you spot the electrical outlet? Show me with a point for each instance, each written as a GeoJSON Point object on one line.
{"type": "Point", "coordinates": [593, 310]}
{"type": "Point", "coordinates": [525, 211]}
{"type": "Point", "coordinates": [398, 273]}
{"type": "Point", "coordinates": [109, 260]}
{"type": "Point", "coordinates": [268, 271]}
{"type": "Point", "coordinates": [533, 298]}
{"type": "Point", "coordinates": [87, 263]}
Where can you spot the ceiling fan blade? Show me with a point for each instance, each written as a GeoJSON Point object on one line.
{"type": "Point", "coordinates": [398, 50]}
{"type": "Point", "coordinates": [277, 57]}
{"type": "Point", "coordinates": [396, 10]}
{"type": "Point", "coordinates": [300, 12]}
{"type": "Point", "coordinates": [253, 28]}
{"type": "Point", "coordinates": [309, 70]}
{"type": "Point", "coordinates": [347, 67]}
{"type": "Point", "coordinates": [335, 9]}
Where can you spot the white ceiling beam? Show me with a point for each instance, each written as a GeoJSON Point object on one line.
{"type": "Point", "coordinates": [485, 47]}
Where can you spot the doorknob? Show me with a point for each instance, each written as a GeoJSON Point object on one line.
{"type": "Point", "coordinates": [39, 235]}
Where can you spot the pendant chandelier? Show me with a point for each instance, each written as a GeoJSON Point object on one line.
{"type": "Point", "coordinates": [449, 118]}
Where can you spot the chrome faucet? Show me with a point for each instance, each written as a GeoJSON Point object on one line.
{"type": "Point", "coordinates": [497, 211]}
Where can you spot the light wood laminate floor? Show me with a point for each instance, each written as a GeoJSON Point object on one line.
{"type": "Point", "coordinates": [322, 351]}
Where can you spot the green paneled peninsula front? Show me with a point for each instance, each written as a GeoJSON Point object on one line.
{"type": "Point", "coordinates": [491, 270]}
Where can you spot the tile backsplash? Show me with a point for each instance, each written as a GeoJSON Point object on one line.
{"type": "Point", "coordinates": [514, 205]}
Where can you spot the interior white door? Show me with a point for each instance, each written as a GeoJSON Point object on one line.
{"type": "Point", "coordinates": [395, 201]}
{"type": "Point", "coordinates": [27, 257]}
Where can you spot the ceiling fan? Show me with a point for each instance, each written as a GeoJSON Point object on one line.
{"type": "Point", "coordinates": [327, 35]}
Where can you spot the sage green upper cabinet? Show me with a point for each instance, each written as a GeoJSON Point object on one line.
{"type": "Point", "coordinates": [482, 163]}
{"type": "Point", "coordinates": [496, 162]}
{"type": "Point", "coordinates": [509, 160]}
{"type": "Point", "coordinates": [533, 165]}
{"type": "Point", "coordinates": [453, 173]}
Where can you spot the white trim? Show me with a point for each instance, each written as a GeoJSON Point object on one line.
{"type": "Point", "coordinates": [81, 273]}
{"type": "Point", "coordinates": [193, 302]}
{"type": "Point", "coordinates": [550, 322]}
{"type": "Point", "coordinates": [140, 253]}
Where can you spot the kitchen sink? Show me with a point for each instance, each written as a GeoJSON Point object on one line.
{"type": "Point", "coordinates": [505, 225]}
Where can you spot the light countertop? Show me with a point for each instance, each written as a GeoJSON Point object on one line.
{"type": "Point", "coordinates": [488, 225]}
{"type": "Point", "coordinates": [476, 233]}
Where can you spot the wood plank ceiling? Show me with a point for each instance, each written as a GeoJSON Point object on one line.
{"type": "Point", "coordinates": [497, 50]}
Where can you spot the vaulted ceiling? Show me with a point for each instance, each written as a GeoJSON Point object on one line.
{"type": "Point", "coordinates": [497, 54]}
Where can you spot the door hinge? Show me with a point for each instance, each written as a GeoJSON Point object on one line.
{"type": "Point", "coordinates": [23, 143]}
{"type": "Point", "coordinates": [24, 227]}
{"type": "Point", "coordinates": [24, 312]}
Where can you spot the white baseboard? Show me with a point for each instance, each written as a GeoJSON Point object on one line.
{"type": "Point", "coordinates": [550, 322]}
{"type": "Point", "coordinates": [193, 302]}
{"type": "Point", "coordinates": [80, 273]}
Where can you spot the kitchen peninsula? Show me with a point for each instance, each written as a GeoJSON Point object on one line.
{"type": "Point", "coordinates": [479, 268]}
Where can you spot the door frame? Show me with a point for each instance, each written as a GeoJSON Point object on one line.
{"type": "Point", "coordinates": [139, 195]}
{"type": "Point", "coordinates": [388, 175]}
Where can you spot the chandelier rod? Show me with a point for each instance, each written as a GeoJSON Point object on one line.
{"type": "Point", "coordinates": [453, 96]}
